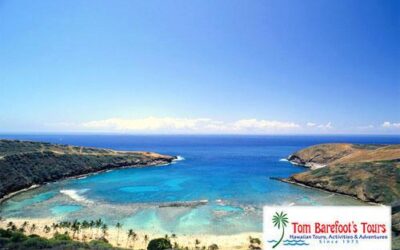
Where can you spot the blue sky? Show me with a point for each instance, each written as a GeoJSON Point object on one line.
{"type": "Point", "coordinates": [200, 66]}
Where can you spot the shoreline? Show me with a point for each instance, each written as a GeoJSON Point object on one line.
{"type": "Point", "coordinates": [239, 241]}
{"type": "Point", "coordinates": [12, 194]}
{"type": "Point", "coordinates": [35, 186]}
{"type": "Point", "coordinates": [300, 184]}
{"type": "Point", "coordinates": [289, 180]}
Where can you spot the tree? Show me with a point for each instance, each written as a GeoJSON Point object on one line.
{"type": "Point", "coordinates": [213, 247]}
{"type": "Point", "coordinates": [118, 226]}
{"type": "Point", "coordinates": [130, 234]}
{"type": "Point", "coordinates": [98, 225]}
{"type": "Point", "coordinates": [46, 229]}
{"type": "Point", "coordinates": [104, 229]}
{"type": "Point", "coordinates": [146, 239]}
{"type": "Point", "coordinates": [10, 224]}
{"type": "Point", "coordinates": [75, 227]}
{"type": "Point", "coordinates": [91, 226]}
{"type": "Point", "coordinates": [54, 226]}
{"type": "Point", "coordinates": [33, 228]}
{"type": "Point", "coordinates": [280, 220]}
{"type": "Point", "coordinates": [173, 236]}
{"type": "Point", "coordinates": [197, 243]}
{"type": "Point", "coordinates": [134, 238]}
{"type": "Point", "coordinates": [159, 244]}
{"type": "Point", "coordinates": [85, 225]}
{"type": "Point", "coordinates": [24, 225]}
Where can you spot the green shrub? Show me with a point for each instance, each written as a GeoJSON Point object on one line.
{"type": "Point", "coordinates": [5, 233]}
{"type": "Point", "coordinates": [58, 236]}
{"type": "Point", "coordinates": [100, 244]}
{"type": "Point", "coordinates": [159, 244]}
{"type": "Point", "coordinates": [18, 237]}
{"type": "Point", "coordinates": [36, 243]}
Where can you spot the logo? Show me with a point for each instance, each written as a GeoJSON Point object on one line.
{"type": "Point", "coordinates": [327, 228]}
{"type": "Point", "coordinates": [280, 220]}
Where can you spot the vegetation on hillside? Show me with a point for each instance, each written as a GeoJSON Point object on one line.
{"type": "Point", "coordinates": [345, 153]}
{"type": "Point", "coordinates": [368, 172]}
{"type": "Point", "coordinates": [368, 181]}
{"type": "Point", "coordinates": [23, 164]}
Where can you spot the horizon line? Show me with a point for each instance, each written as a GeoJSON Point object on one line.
{"type": "Point", "coordinates": [192, 134]}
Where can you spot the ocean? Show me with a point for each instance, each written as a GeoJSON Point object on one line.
{"type": "Point", "coordinates": [218, 186]}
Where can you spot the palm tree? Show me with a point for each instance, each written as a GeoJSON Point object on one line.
{"type": "Point", "coordinates": [10, 224]}
{"type": "Point", "coordinates": [280, 220]}
{"type": "Point", "coordinates": [33, 228]}
{"type": "Point", "coordinates": [91, 226]}
{"type": "Point", "coordinates": [46, 229]}
{"type": "Point", "coordinates": [24, 225]}
{"type": "Point", "coordinates": [173, 236]}
{"type": "Point", "coordinates": [98, 224]}
{"type": "Point", "coordinates": [118, 226]}
{"type": "Point", "coordinates": [85, 225]}
{"type": "Point", "coordinates": [134, 238]}
{"type": "Point", "coordinates": [75, 228]}
{"type": "Point", "coordinates": [104, 229]}
{"type": "Point", "coordinates": [130, 234]}
{"type": "Point", "coordinates": [55, 226]}
{"type": "Point", "coordinates": [197, 243]}
{"type": "Point", "coordinates": [65, 225]}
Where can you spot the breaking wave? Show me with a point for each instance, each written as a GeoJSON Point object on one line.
{"type": "Point", "coordinates": [76, 195]}
{"type": "Point", "coordinates": [179, 158]}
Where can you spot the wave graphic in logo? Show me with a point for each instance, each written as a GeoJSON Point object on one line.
{"type": "Point", "coordinates": [291, 242]}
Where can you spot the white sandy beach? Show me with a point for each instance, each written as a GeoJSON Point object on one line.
{"type": "Point", "coordinates": [225, 242]}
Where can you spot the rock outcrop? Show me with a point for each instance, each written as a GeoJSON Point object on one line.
{"type": "Point", "coordinates": [370, 173]}
{"type": "Point", "coordinates": [25, 163]}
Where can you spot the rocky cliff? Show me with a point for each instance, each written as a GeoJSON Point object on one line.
{"type": "Point", "coordinates": [368, 172]}
{"type": "Point", "coordinates": [24, 163]}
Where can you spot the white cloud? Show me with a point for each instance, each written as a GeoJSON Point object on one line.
{"type": "Point", "coordinates": [150, 123]}
{"type": "Point", "coordinates": [320, 126]}
{"type": "Point", "coordinates": [325, 126]}
{"type": "Point", "coordinates": [263, 125]}
{"type": "Point", "coordinates": [391, 124]}
{"type": "Point", "coordinates": [187, 125]}
{"type": "Point", "coordinates": [366, 127]}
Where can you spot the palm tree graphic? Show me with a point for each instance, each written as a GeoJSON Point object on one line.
{"type": "Point", "coordinates": [280, 220]}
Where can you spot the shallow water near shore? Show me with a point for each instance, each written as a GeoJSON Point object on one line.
{"type": "Point", "coordinates": [218, 186]}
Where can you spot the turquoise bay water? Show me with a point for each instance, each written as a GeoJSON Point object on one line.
{"type": "Point", "coordinates": [219, 187]}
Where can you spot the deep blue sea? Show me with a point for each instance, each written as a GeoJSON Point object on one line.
{"type": "Point", "coordinates": [231, 173]}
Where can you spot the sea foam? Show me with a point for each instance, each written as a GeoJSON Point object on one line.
{"type": "Point", "coordinates": [76, 195]}
{"type": "Point", "coordinates": [178, 158]}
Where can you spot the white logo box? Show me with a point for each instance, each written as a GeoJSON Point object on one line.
{"type": "Point", "coordinates": [327, 227]}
